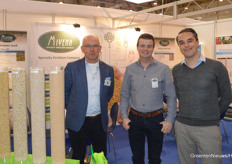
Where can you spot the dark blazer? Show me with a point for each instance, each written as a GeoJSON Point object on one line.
{"type": "Point", "coordinates": [76, 93]}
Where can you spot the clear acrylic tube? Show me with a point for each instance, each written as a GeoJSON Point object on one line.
{"type": "Point", "coordinates": [19, 114]}
{"type": "Point", "coordinates": [5, 148]}
{"type": "Point", "coordinates": [37, 98]}
{"type": "Point", "coordinates": [57, 115]}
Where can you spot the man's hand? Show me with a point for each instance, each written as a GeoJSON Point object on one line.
{"type": "Point", "coordinates": [125, 123]}
{"type": "Point", "coordinates": [167, 126]}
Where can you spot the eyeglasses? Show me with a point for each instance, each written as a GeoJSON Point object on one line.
{"type": "Point", "coordinates": [89, 46]}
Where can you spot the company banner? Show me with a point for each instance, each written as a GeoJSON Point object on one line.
{"type": "Point", "coordinates": [54, 46]}
{"type": "Point", "coordinates": [224, 52]}
{"type": "Point", "coordinates": [164, 50]}
{"type": "Point", "coordinates": [58, 44]}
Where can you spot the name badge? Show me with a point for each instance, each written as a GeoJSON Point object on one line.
{"type": "Point", "coordinates": [107, 81]}
{"type": "Point", "coordinates": [154, 83]}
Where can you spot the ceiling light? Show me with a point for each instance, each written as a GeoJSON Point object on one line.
{"type": "Point", "coordinates": [186, 8]}
{"type": "Point", "coordinates": [76, 25]}
{"type": "Point", "coordinates": [220, 0]}
{"type": "Point", "coordinates": [139, 1]}
{"type": "Point", "coordinates": [155, 3]}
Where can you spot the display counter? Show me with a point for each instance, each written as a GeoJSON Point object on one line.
{"type": "Point", "coordinates": [29, 160]}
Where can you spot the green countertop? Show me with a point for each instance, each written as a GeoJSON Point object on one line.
{"type": "Point", "coordinates": [29, 160]}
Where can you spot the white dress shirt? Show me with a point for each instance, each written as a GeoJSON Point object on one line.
{"type": "Point", "coordinates": [93, 79]}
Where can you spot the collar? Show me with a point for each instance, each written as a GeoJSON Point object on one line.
{"type": "Point", "coordinates": [201, 59]}
{"type": "Point", "coordinates": [153, 62]}
{"type": "Point", "coordinates": [92, 64]}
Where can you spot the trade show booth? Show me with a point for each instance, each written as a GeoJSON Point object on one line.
{"type": "Point", "coordinates": [38, 39]}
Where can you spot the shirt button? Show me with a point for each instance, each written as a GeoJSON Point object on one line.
{"type": "Point", "coordinates": [145, 76]}
{"type": "Point", "coordinates": [143, 104]}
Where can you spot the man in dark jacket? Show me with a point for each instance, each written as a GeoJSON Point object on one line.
{"type": "Point", "coordinates": [89, 85]}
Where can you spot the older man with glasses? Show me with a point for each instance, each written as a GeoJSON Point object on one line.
{"type": "Point", "coordinates": [89, 85]}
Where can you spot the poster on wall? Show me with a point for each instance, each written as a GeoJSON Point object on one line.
{"type": "Point", "coordinates": [224, 52]}
{"type": "Point", "coordinates": [13, 48]}
{"type": "Point", "coordinates": [164, 50]}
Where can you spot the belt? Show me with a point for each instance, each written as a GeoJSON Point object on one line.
{"type": "Point", "coordinates": [98, 115]}
{"type": "Point", "coordinates": [146, 115]}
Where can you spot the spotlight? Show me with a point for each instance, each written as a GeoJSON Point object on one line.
{"type": "Point", "coordinates": [76, 25]}
{"type": "Point", "coordinates": [137, 29]}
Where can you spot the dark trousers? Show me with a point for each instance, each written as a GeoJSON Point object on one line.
{"type": "Point", "coordinates": [92, 128]}
{"type": "Point", "coordinates": [140, 128]}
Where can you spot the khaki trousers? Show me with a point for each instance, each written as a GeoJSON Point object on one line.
{"type": "Point", "coordinates": [203, 142]}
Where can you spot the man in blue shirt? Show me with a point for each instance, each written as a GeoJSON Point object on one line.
{"type": "Point", "coordinates": [144, 84]}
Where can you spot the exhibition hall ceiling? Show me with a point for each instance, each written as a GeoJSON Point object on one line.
{"type": "Point", "coordinates": [204, 10]}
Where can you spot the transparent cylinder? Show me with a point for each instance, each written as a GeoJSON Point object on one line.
{"type": "Point", "coordinates": [19, 114]}
{"type": "Point", "coordinates": [5, 148]}
{"type": "Point", "coordinates": [37, 98]}
{"type": "Point", "coordinates": [57, 115]}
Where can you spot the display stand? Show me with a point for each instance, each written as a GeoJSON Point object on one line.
{"type": "Point", "coordinates": [38, 114]}
{"type": "Point", "coordinates": [19, 113]}
{"type": "Point", "coordinates": [57, 115]}
{"type": "Point", "coordinates": [4, 115]}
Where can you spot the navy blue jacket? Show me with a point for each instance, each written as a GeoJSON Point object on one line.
{"type": "Point", "coordinates": [76, 93]}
